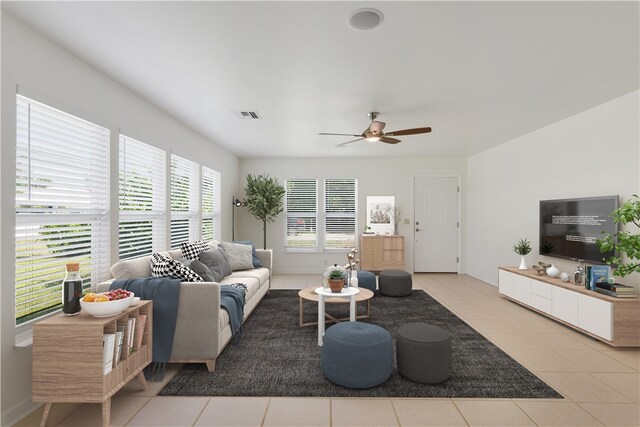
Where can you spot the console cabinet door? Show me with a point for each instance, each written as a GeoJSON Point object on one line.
{"type": "Point", "coordinates": [565, 305]}
{"type": "Point", "coordinates": [522, 289]}
{"type": "Point", "coordinates": [505, 283]}
{"type": "Point", "coordinates": [595, 316]}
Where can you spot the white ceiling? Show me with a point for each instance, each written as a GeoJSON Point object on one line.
{"type": "Point", "coordinates": [478, 73]}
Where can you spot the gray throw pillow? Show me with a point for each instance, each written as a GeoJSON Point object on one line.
{"type": "Point", "coordinates": [256, 261]}
{"type": "Point", "coordinates": [200, 268]}
{"type": "Point", "coordinates": [216, 262]}
{"type": "Point", "coordinates": [239, 255]}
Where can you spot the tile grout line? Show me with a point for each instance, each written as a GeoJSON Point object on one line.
{"type": "Point", "coordinates": [138, 411]}
{"type": "Point", "coordinates": [460, 412]}
{"type": "Point", "coordinates": [395, 412]}
{"type": "Point", "coordinates": [264, 416]}
{"type": "Point", "coordinates": [201, 412]}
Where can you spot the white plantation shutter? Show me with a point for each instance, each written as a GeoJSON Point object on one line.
{"type": "Point", "coordinates": [185, 201]}
{"type": "Point", "coordinates": [142, 199]}
{"type": "Point", "coordinates": [211, 205]}
{"type": "Point", "coordinates": [340, 209]}
{"type": "Point", "coordinates": [62, 204]}
{"type": "Point", "coordinates": [302, 213]}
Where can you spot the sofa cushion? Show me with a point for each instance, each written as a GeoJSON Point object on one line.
{"type": "Point", "coordinates": [254, 256]}
{"type": "Point", "coordinates": [253, 284]}
{"type": "Point", "coordinates": [163, 266]}
{"type": "Point", "coordinates": [217, 262]}
{"type": "Point", "coordinates": [261, 274]}
{"type": "Point", "coordinates": [190, 250]}
{"type": "Point", "coordinates": [239, 255]}
{"type": "Point", "coordinates": [136, 268]}
{"type": "Point", "coordinates": [200, 269]}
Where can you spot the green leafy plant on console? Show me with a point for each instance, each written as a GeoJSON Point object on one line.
{"type": "Point", "coordinates": [523, 247]}
{"type": "Point", "coordinates": [625, 244]}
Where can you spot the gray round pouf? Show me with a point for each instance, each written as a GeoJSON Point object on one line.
{"type": "Point", "coordinates": [357, 355]}
{"type": "Point", "coordinates": [423, 353]}
{"type": "Point", "coordinates": [367, 279]}
{"type": "Point", "coordinates": [394, 283]}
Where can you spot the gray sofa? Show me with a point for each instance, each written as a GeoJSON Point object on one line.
{"type": "Point", "coordinates": [202, 329]}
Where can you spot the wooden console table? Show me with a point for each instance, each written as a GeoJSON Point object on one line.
{"type": "Point", "coordinates": [615, 321]}
{"type": "Point", "coordinates": [379, 253]}
{"type": "Point", "coordinates": [68, 361]}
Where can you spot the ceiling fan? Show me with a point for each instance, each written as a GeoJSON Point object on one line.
{"type": "Point", "coordinates": [375, 132]}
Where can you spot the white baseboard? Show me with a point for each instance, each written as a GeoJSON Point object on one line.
{"type": "Point", "coordinates": [18, 411]}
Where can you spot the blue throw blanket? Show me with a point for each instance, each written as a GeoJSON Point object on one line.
{"type": "Point", "coordinates": [232, 300]}
{"type": "Point", "coordinates": [165, 294]}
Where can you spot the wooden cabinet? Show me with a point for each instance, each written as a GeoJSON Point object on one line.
{"type": "Point", "coordinates": [379, 253]}
{"type": "Point", "coordinates": [68, 364]}
{"type": "Point", "coordinates": [615, 321]}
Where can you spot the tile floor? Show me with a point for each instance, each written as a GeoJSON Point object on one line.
{"type": "Point", "coordinates": [601, 384]}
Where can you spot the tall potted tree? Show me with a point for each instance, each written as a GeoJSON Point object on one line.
{"type": "Point", "coordinates": [263, 199]}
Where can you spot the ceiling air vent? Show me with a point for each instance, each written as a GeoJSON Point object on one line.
{"type": "Point", "coordinates": [247, 114]}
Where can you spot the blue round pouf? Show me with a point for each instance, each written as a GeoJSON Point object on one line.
{"type": "Point", "coordinates": [367, 279]}
{"type": "Point", "coordinates": [357, 355]}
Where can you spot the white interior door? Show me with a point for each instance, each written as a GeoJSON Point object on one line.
{"type": "Point", "coordinates": [436, 224]}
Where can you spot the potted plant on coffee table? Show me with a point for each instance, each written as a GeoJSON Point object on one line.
{"type": "Point", "coordinates": [336, 281]}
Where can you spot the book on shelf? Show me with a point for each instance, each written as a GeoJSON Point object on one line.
{"type": "Point", "coordinates": [614, 294]}
{"type": "Point", "coordinates": [617, 287]}
{"type": "Point", "coordinates": [119, 340]}
{"type": "Point", "coordinates": [598, 274]}
{"type": "Point", "coordinates": [108, 345]}
{"type": "Point", "coordinates": [131, 327]}
{"type": "Point", "coordinates": [142, 320]}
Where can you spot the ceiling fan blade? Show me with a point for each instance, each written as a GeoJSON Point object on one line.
{"type": "Point", "coordinates": [389, 140]}
{"type": "Point", "coordinates": [349, 142]}
{"type": "Point", "coordinates": [409, 131]}
{"type": "Point", "coordinates": [338, 134]}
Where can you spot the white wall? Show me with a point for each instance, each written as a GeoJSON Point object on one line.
{"type": "Point", "coordinates": [594, 153]}
{"type": "Point", "coordinates": [376, 177]}
{"type": "Point", "coordinates": [55, 76]}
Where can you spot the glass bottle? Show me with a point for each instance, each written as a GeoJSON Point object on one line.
{"type": "Point", "coordinates": [72, 290]}
{"type": "Point", "coordinates": [578, 276]}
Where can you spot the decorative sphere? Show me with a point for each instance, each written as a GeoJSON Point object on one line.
{"type": "Point", "coordinates": [564, 277]}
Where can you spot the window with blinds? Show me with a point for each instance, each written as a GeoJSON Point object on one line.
{"type": "Point", "coordinates": [340, 213]}
{"type": "Point", "coordinates": [211, 206]}
{"type": "Point", "coordinates": [185, 201]}
{"type": "Point", "coordinates": [62, 205]}
{"type": "Point", "coordinates": [142, 176]}
{"type": "Point", "coordinates": [302, 213]}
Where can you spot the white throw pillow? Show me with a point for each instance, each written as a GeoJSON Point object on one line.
{"type": "Point", "coordinates": [239, 255]}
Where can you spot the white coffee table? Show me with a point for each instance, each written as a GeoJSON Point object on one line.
{"type": "Point", "coordinates": [326, 293]}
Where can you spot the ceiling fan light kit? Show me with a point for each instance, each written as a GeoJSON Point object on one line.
{"type": "Point", "coordinates": [374, 132]}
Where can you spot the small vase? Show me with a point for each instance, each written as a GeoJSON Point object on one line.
{"type": "Point", "coordinates": [523, 264]}
{"type": "Point", "coordinates": [354, 279]}
{"type": "Point", "coordinates": [553, 271]}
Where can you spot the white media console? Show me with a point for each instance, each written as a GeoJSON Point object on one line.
{"type": "Point", "coordinates": [615, 321]}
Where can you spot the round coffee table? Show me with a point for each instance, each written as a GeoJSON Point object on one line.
{"type": "Point", "coordinates": [309, 294]}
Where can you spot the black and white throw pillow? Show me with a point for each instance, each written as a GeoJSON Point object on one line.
{"type": "Point", "coordinates": [191, 250]}
{"type": "Point", "coordinates": [162, 266]}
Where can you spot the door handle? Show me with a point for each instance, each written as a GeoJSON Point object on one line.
{"type": "Point", "coordinates": [418, 229]}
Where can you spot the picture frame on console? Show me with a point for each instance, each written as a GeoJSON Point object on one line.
{"type": "Point", "coordinates": [380, 214]}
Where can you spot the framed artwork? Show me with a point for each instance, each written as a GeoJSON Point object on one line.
{"type": "Point", "coordinates": [380, 214]}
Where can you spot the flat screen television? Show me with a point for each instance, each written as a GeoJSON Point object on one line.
{"type": "Point", "coordinates": [569, 227]}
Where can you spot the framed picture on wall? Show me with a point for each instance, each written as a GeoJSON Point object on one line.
{"type": "Point", "coordinates": [380, 214]}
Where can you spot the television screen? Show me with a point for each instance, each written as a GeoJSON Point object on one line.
{"type": "Point", "coordinates": [569, 227]}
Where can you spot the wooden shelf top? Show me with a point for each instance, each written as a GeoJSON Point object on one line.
{"type": "Point", "coordinates": [87, 319]}
{"type": "Point", "coordinates": [531, 273]}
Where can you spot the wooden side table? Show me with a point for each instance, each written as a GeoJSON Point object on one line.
{"type": "Point", "coordinates": [68, 363]}
{"type": "Point", "coordinates": [324, 293]}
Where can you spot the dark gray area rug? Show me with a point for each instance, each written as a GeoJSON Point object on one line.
{"type": "Point", "coordinates": [275, 357]}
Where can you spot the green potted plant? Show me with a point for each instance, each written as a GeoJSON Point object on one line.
{"type": "Point", "coordinates": [522, 248]}
{"type": "Point", "coordinates": [336, 281]}
{"type": "Point", "coordinates": [263, 199]}
{"type": "Point", "coordinates": [625, 244]}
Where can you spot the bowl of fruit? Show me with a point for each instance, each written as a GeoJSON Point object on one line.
{"type": "Point", "coordinates": [106, 304]}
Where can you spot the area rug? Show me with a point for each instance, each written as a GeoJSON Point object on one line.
{"type": "Point", "coordinates": [276, 357]}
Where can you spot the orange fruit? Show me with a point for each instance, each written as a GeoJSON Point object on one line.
{"type": "Point", "coordinates": [101, 298]}
{"type": "Point", "coordinates": [90, 297]}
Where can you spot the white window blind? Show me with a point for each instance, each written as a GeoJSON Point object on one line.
{"type": "Point", "coordinates": [185, 200]}
{"type": "Point", "coordinates": [62, 205]}
{"type": "Point", "coordinates": [340, 213]}
{"type": "Point", "coordinates": [142, 175]}
{"type": "Point", "coordinates": [211, 205]}
{"type": "Point", "coordinates": [302, 213]}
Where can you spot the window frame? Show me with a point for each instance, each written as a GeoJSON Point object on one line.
{"type": "Point", "coordinates": [192, 214]}
{"type": "Point", "coordinates": [215, 213]}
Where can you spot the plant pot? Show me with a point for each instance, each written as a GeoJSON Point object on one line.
{"type": "Point", "coordinates": [523, 264]}
{"type": "Point", "coordinates": [336, 285]}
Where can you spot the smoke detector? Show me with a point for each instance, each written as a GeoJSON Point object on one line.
{"type": "Point", "coordinates": [365, 19]}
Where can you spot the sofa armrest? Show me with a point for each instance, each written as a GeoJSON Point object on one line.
{"type": "Point", "coordinates": [266, 256]}
{"type": "Point", "coordinates": [104, 286]}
